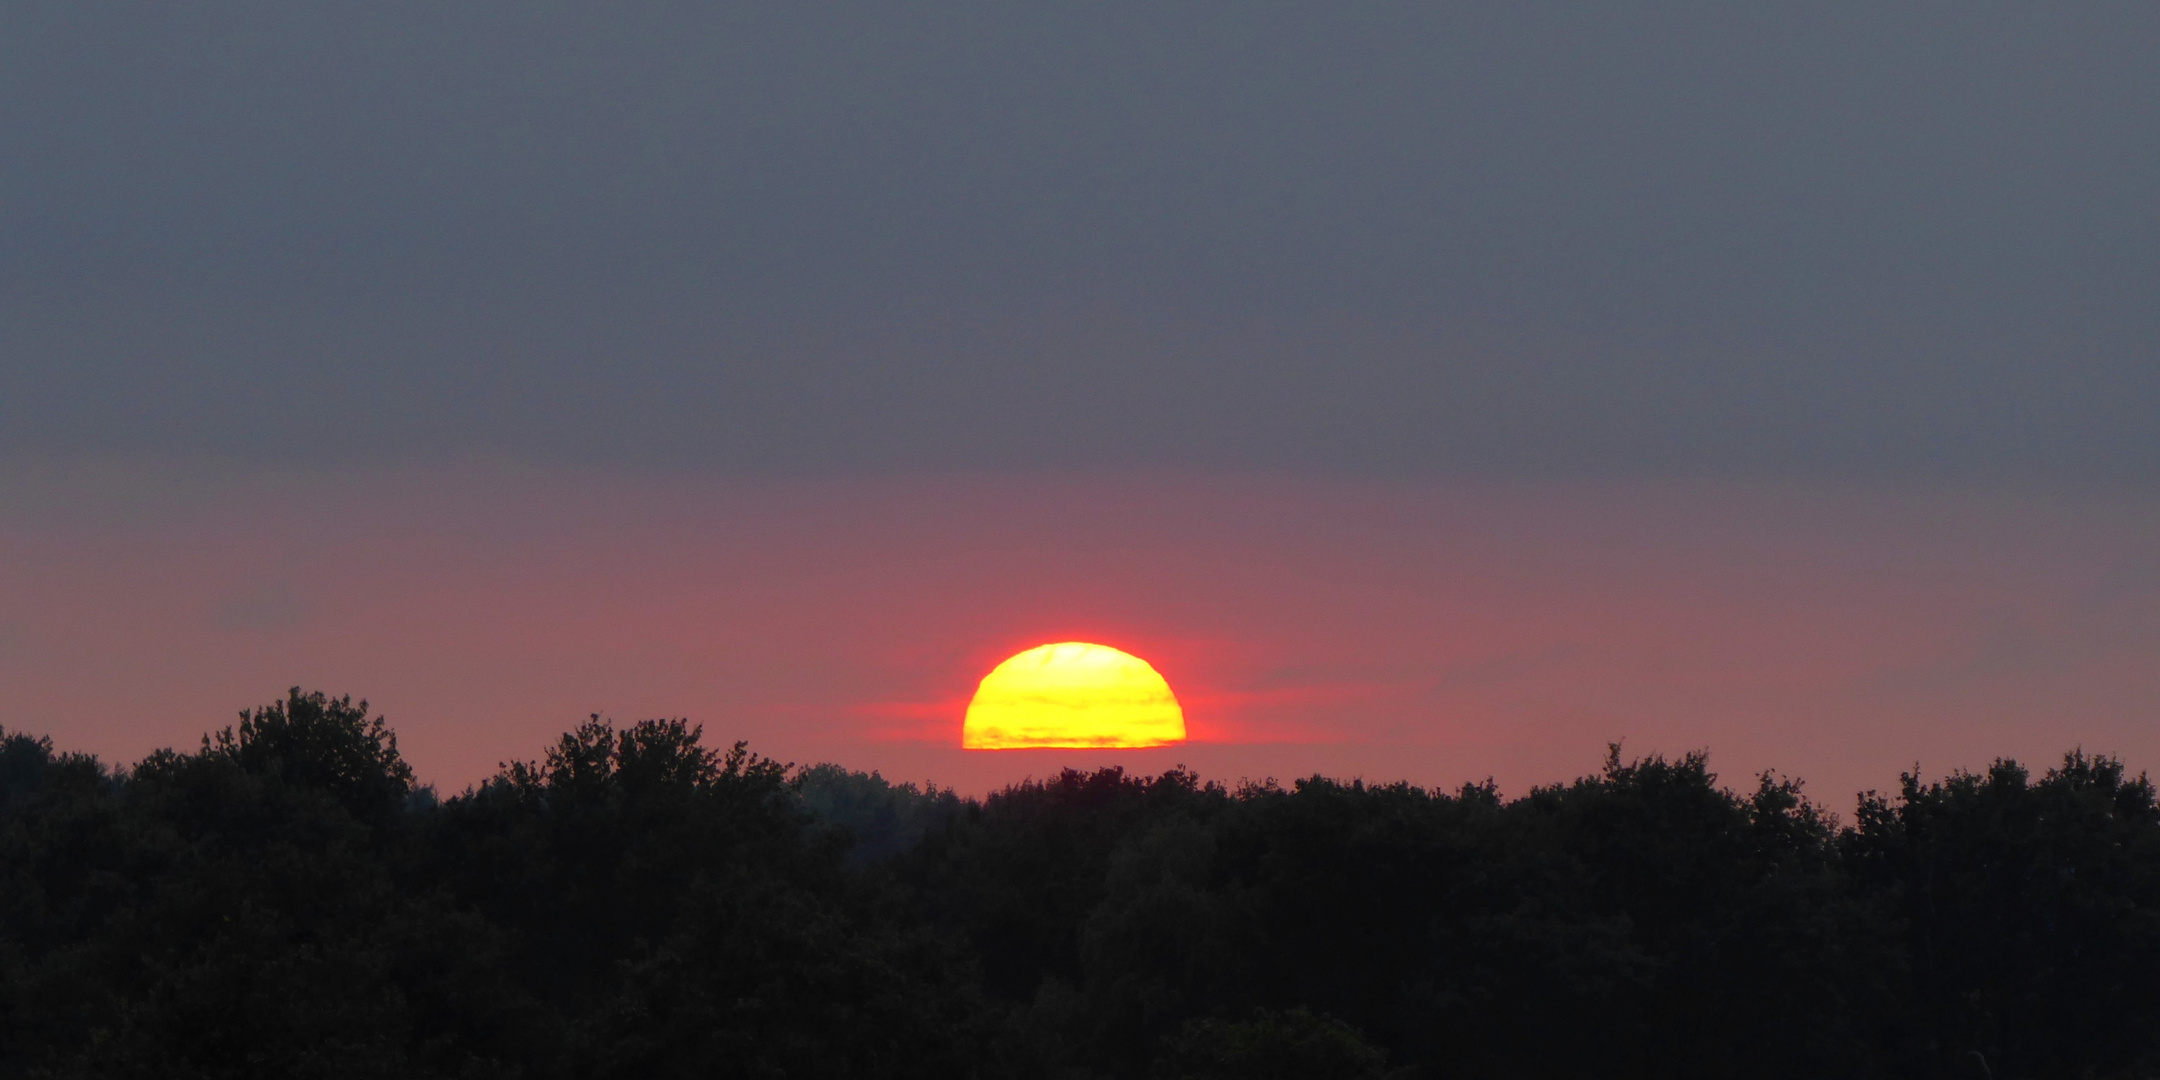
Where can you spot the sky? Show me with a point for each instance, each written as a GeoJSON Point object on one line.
{"type": "Point", "coordinates": [1431, 391]}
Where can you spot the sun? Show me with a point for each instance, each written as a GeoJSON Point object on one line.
{"type": "Point", "coordinates": [1072, 694]}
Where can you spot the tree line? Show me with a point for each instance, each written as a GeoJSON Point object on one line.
{"type": "Point", "coordinates": [284, 901]}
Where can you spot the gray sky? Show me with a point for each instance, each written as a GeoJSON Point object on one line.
{"type": "Point", "coordinates": [1845, 240]}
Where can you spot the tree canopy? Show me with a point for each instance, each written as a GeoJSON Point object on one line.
{"type": "Point", "coordinates": [284, 901]}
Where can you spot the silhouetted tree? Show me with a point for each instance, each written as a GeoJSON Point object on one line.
{"type": "Point", "coordinates": [881, 819]}
{"type": "Point", "coordinates": [2032, 915]}
{"type": "Point", "coordinates": [675, 908]}
{"type": "Point", "coordinates": [285, 902]}
{"type": "Point", "coordinates": [325, 744]}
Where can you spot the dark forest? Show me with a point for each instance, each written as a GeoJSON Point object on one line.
{"type": "Point", "coordinates": [285, 901]}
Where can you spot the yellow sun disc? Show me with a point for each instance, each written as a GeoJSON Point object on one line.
{"type": "Point", "coordinates": [1072, 694]}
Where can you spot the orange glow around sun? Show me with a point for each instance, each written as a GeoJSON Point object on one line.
{"type": "Point", "coordinates": [1072, 694]}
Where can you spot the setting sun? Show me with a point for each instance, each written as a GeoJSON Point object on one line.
{"type": "Point", "coordinates": [1072, 694]}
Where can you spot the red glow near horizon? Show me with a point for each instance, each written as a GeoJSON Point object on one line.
{"type": "Point", "coordinates": [1427, 632]}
